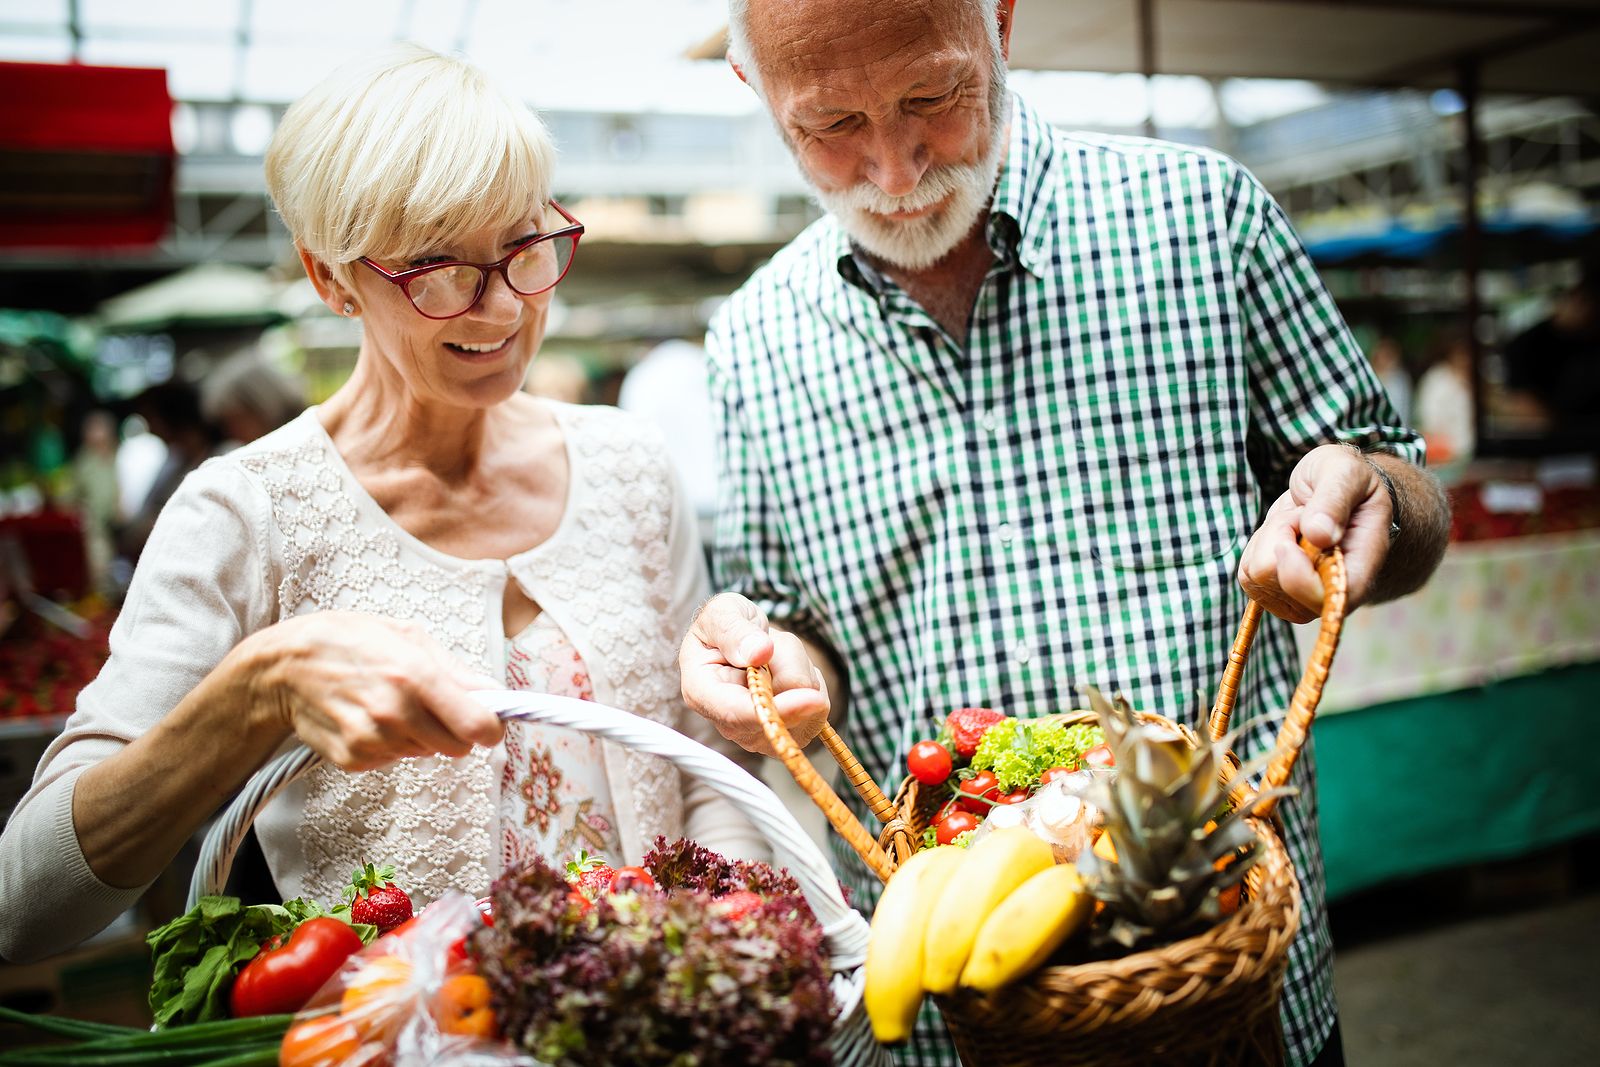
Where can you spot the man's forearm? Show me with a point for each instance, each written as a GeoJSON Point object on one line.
{"type": "Point", "coordinates": [1423, 512]}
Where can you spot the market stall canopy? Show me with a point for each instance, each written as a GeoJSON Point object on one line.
{"type": "Point", "coordinates": [1508, 241]}
{"type": "Point", "coordinates": [213, 294]}
{"type": "Point", "coordinates": [86, 155]}
{"type": "Point", "coordinates": [1546, 47]}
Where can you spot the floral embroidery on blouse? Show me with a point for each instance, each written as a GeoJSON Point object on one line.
{"type": "Point", "coordinates": [555, 797]}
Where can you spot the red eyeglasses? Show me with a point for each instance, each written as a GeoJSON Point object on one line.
{"type": "Point", "coordinates": [446, 290]}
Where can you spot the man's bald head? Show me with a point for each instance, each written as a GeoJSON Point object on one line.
{"type": "Point", "coordinates": [759, 30]}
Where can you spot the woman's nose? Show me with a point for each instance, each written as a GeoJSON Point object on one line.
{"type": "Point", "coordinates": [499, 302]}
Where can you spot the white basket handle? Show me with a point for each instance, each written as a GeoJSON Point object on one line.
{"type": "Point", "coordinates": [845, 929]}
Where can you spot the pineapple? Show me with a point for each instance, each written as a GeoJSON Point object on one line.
{"type": "Point", "coordinates": [1159, 811]}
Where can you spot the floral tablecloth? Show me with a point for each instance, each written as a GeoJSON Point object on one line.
{"type": "Point", "coordinates": [1493, 610]}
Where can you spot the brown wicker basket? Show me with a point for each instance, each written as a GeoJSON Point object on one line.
{"type": "Point", "coordinates": [1210, 999]}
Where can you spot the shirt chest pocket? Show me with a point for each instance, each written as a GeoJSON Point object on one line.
{"type": "Point", "coordinates": [1159, 483]}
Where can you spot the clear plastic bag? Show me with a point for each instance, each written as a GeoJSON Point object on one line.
{"type": "Point", "coordinates": [1059, 813]}
{"type": "Point", "coordinates": [410, 998]}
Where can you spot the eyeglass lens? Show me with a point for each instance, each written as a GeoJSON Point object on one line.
{"type": "Point", "coordinates": [450, 290]}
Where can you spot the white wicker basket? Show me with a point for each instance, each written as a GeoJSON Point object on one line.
{"type": "Point", "coordinates": [845, 929]}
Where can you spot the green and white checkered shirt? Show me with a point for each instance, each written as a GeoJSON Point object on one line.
{"type": "Point", "coordinates": [1063, 495]}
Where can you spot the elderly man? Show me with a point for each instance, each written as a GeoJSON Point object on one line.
{"type": "Point", "coordinates": [1024, 412]}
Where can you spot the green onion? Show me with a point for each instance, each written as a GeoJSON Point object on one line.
{"type": "Point", "coordinates": [54, 1024]}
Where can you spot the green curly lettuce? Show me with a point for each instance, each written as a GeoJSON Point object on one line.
{"type": "Point", "coordinates": [1018, 751]}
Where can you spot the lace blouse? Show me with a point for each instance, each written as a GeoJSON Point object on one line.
{"type": "Point", "coordinates": [281, 527]}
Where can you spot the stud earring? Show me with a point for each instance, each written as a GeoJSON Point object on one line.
{"type": "Point", "coordinates": [349, 308]}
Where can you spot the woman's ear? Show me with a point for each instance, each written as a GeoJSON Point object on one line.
{"type": "Point", "coordinates": [327, 286]}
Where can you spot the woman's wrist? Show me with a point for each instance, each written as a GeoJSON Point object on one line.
{"type": "Point", "coordinates": [259, 676]}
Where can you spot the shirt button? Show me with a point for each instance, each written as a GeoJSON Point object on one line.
{"type": "Point", "coordinates": [1006, 533]}
{"type": "Point", "coordinates": [991, 421]}
{"type": "Point", "coordinates": [1022, 654]}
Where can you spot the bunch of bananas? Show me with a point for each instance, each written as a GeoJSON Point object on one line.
{"type": "Point", "coordinates": [979, 918]}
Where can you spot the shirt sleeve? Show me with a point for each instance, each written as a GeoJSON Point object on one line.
{"type": "Point", "coordinates": [200, 587]}
{"type": "Point", "coordinates": [751, 553]}
{"type": "Point", "coordinates": [1310, 383]}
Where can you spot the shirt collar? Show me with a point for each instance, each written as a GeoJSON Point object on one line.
{"type": "Point", "coordinates": [1019, 217]}
{"type": "Point", "coordinates": [1017, 228]}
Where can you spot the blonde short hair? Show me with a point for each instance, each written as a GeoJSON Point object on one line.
{"type": "Point", "coordinates": [395, 152]}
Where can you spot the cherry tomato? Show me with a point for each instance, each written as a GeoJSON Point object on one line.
{"type": "Point", "coordinates": [1099, 756]}
{"type": "Point", "coordinates": [321, 1042]}
{"type": "Point", "coordinates": [977, 794]}
{"type": "Point", "coordinates": [954, 825]}
{"type": "Point", "coordinates": [929, 762]}
{"type": "Point", "coordinates": [1016, 796]}
{"type": "Point", "coordinates": [631, 880]}
{"type": "Point", "coordinates": [282, 979]}
{"type": "Point", "coordinates": [1053, 773]}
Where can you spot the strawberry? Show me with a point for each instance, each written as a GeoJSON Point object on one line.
{"type": "Point", "coordinates": [375, 900]}
{"type": "Point", "coordinates": [967, 727]}
{"type": "Point", "coordinates": [738, 904]}
{"type": "Point", "coordinates": [589, 875]}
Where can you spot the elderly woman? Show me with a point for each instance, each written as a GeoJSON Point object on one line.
{"type": "Point", "coordinates": [347, 579]}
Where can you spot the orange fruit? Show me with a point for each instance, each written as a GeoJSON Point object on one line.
{"type": "Point", "coordinates": [462, 1007]}
{"type": "Point", "coordinates": [321, 1042]}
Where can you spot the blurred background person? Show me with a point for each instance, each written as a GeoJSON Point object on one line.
{"type": "Point", "coordinates": [172, 411]}
{"type": "Point", "coordinates": [94, 493]}
{"type": "Point", "coordinates": [1388, 362]}
{"type": "Point", "coordinates": [246, 397]}
{"type": "Point", "coordinates": [1555, 364]}
{"type": "Point", "coordinates": [1443, 411]}
{"type": "Point", "coordinates": [668, 387]}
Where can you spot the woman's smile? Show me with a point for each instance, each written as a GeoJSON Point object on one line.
{"type": "Point", "coordinates": [480, 351]}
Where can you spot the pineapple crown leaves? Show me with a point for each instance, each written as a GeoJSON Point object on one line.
{"type": "Point", "coordinates": [368, 877]}
{"type": "Point", "coordinates": [1177, 844]}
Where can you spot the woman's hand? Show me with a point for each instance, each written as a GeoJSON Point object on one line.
{"type": "Point", "coordinates": [364, 691]}
{"type": "Point", "coordinates": [730, 634]}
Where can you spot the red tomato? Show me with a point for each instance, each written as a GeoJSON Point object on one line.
{"type": "Point", "coordinates": [1099, 756]}
{"type": "Point", "coordinates": [1016, 796]}
{"type": "Point", "coordinates": [631, 880]}
{"type": "Point", "coordinates": [1053, 773]}
{"type": "Point", "coordinates": [929, 762]}
{"type": "Point", "coordinates": [284, 979]}
{"type": "Point", "coordinates": [977, 794]}
{"type": "Point", "coordinates": [954, 825]}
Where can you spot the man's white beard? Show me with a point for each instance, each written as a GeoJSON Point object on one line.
{"type": "Point", "coordinates": [916, 244]}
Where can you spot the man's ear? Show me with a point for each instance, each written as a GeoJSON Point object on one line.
{"type": "Point", "coordinates": [322, 280]}
{"type": "Point", "coordinates": [1004, 11]}
{"type": "Point", "coordinates": [737, 69]}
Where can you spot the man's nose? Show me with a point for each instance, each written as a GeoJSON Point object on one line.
{"type": "Point", "coordinates": [897, 158]}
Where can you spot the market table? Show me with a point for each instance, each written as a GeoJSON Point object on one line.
{"type": "Point", "coordinates": [1455, 725]}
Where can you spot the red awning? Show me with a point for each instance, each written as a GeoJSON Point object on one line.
{"type": "Point", "coordinates": [86, 156]}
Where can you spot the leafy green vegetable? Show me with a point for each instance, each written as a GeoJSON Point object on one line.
{"type": "Point", "coordinates": [1018, 751]}
{"type": "Point", "coordinates": [197, 955]}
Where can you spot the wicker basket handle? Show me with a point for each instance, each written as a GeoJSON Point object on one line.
{"type": "Point", "coordinates": [806, 776]}
{"type": "Point", "coordinates": [1308, 693]}
{"type": "Point", "coordinates": [843, 927]}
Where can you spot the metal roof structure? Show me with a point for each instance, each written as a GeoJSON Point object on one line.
{"type": "Point", "coordinates": [1546, 47]}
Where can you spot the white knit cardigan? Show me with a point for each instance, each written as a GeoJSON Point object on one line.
{"type": "Point", "coordinates": [281, 528]}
